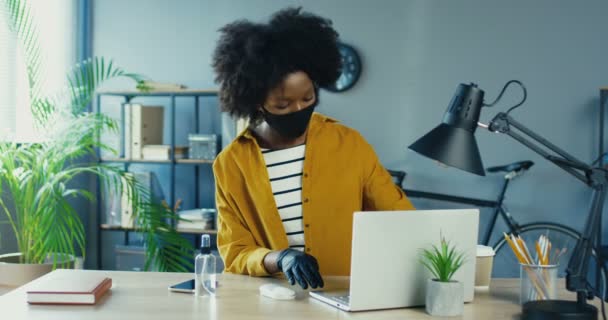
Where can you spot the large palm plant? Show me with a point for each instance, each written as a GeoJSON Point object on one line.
{"type": "Point", "coordinates": [36, 179]}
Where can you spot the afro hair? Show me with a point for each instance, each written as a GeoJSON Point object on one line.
{"type": "Point", "coordinates": [251, 58]}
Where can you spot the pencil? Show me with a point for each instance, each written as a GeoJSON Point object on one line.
{"type": "Point", "coordinates": [535, 280]}
{"type": "Point", "coordinates": [539, 252]}
{"type": "Point", "coordinates": [515, 250]}
{"type": "Point", "coordinates": [523, 245]}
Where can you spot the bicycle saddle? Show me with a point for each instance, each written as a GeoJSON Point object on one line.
{"type": "Point", "coordinates": [515, 166]}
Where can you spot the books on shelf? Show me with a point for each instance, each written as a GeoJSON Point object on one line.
{"type": "Point", "coordinates": [142, 125]}
{"type": "Point", "coordinates": [128, 131]}
{"type": "Point", "coordinates": [66, 287]}
{"type": "Point", "coordinates": [154, 86]}
{"type": "Point", "coordinates": [163, 152]}
{"type": "Point", "coordinates": [127, 218]}
{"type": "Point", "coordinates": [201, 219]}
{"type": "Point", "coordinates": [111, 205]}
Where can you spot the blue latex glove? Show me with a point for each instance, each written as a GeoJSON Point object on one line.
{"type": "Point", "coordinates": [300, 267]}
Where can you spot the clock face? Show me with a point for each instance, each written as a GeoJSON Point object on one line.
{"type": "Point", "coordinates": [351, 69]}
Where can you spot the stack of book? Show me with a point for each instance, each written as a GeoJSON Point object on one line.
{"type": "Point", "coordinates": [200, 219]}
{"type": "Point", "coordinates": [163, 152]}
{"type": "Point", "coordinates": [154, 86]}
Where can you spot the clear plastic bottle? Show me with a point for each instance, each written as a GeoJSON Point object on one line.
{"type": "Point", "coordinates": [204, 269]}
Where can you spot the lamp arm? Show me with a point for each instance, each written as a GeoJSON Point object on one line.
{"type": "Point", "coordinates": [502, 123]}
{"type": "Point", "coordinates": [596, 178]}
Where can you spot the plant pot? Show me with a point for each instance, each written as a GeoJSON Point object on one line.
{"type": "Point", "coordinates": [14, 274]}
{"type": "Point", "coordinates": [444, 299]}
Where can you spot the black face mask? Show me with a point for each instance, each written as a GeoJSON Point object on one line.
{"type": "Point", "coordinates": [291, 125]}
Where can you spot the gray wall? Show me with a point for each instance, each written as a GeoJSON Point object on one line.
{"type": "Point", "coordinates": [414, 54]}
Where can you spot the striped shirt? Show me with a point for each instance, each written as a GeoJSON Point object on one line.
{"type": "Point", "coordinates": [285, 168]}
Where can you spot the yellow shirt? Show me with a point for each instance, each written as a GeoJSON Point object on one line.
{"type": "Point", "coordinates": [341, 175]}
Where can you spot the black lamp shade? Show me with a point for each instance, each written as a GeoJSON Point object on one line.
{"type": "Point", "coordinates": [453, 141]}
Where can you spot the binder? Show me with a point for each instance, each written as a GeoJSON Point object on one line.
{"type": "Point", "coordinates": [127, 132]}
{"type": "Point", "coordinates": [149, 180]}
{"type": "Point", "coordinates": [127, 219]}
{"type": "Point", "coordinates": [146, 127]}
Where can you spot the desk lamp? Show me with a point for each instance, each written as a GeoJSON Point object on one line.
{"type": "Point", "coordinates": [453, 143]}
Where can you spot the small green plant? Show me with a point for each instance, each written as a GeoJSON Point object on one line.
{"type": "Point", "coordinates": [442, 261]}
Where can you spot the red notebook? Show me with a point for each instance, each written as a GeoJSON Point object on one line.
{"type": "Point", "coordinates": [69, 287]}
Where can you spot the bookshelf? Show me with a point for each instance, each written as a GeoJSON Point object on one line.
{"type": "Point", "coordinates": [170, 110]}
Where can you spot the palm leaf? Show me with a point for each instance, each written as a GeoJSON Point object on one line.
{"type": "Point", "coordinates": [37, 176]}
{"type": "Point", "coordinates": [86, 77]}
{"type": "Point", "coordinates": [166, 249]}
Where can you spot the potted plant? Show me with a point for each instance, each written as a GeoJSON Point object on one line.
{"type": "Point", "coordinates": [444, 296]}
{"type": "Point", "coordinates": [37, 179]}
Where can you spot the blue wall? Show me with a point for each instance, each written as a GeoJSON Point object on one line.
{"type": "Point", "coordinates": [415, 53]}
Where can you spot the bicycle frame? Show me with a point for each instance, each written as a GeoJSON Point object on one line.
{"type": "Point", "coordinates": [499, 209]}
{"type": "Point", "coordinates": [444, 197]}
{"type": "Point", "coordinates": [498, 206]}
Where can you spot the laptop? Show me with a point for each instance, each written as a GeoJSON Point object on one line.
{"type": "Point", "coordinates": [385, 271]}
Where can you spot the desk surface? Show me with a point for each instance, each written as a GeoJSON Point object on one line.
{"type": "Point", "coordinates": [140, 295]}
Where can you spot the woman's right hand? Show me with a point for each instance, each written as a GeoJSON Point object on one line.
{"type": "Point", "coordinates": [300, 267]}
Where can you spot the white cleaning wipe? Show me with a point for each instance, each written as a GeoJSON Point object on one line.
{"type": "Point", "coordinates": [277, 292]}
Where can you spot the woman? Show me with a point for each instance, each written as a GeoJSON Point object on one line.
{"type": "Point", "coordinates": [287, 187]}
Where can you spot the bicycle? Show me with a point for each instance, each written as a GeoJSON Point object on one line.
{"type": "Point", "coordinates": [561, 236]}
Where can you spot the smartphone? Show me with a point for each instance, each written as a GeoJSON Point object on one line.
{"type": "Point", "coordinates": [186, 286]}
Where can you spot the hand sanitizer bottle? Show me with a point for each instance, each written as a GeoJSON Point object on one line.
{"type": "Point", "coordinates": [204, 269]}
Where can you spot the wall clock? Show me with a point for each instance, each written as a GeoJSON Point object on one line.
{"type": "Point", "coordinates": [351, 69]}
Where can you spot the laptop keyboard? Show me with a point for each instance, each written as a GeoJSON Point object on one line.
{"type": "Point", "coordinates": [342, 299]}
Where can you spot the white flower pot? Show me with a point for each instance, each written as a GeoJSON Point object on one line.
{"type": "Point", "coordinates": [444, 298]}
{"type": "Point", "coordinates": [15, 274]}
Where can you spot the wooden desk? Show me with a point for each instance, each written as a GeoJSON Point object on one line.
{"type": "Point", "coordinates": [139, 295]}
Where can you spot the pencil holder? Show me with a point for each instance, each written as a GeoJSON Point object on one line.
{"type": "Point", "coordinates": [537, 282]}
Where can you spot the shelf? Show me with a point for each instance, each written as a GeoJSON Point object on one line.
{"type": "Point", "coordinates": [177, 161]}
{"type": "Point", "coordinates": [170, 164]}
{"type": "Point", "coordinates": [196, 231]}
{"type": "Point", "coordinates": [184, 92]}
{"type": "Point", "coordinates": [193, 161]}
{"type": "Point", "coordinates": [180, 230]}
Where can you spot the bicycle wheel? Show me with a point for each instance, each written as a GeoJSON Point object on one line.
{"type": "Point", "coordinates": [505, 262]}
